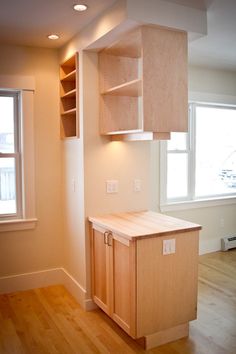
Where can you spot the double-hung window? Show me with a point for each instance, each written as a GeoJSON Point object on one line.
{"type": "Point", "coordinates": [201, 165]}
{"type": "Point", "coordinates": [10, 157]}
{"type": "Point", "coordinates": [17, 176]}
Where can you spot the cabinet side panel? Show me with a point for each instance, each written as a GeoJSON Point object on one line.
{"type": "Point", "coordinates": [166, 284]}
{"type": "Point", "coordinates": [165, 85]}
{"type": "Point", "coordinates": [115, 71]}
{"type": "Point", "coordinates": [118, 113]}
{"type": "Point", "coordinates": [99, 270]}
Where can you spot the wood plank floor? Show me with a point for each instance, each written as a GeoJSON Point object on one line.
{"type": "Point", "coordinates": [49, 320]}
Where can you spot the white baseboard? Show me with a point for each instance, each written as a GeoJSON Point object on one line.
{"type": "Point", "coordinates": [77, 291]}
{"type": "Point", "coordinates": [208, 246]}
{"type": "Point", "coordinates": [26, 281]}
{"type": "Point", "coordinates": [40, 279]}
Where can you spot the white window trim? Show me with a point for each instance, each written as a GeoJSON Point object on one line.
{"type": "Point", "coordinates": [25, 84]}
{"type": "Point", "coordinates": [204, 98]}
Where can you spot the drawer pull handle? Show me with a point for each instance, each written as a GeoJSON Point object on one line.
{"type": "Point", "coordinates": [105, 237]}
{"type": "Point", "coordinates": [110, 238]}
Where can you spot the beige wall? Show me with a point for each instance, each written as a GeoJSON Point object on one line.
{"type": "Point", "coordinates": [217, 221]}
{"type": "Point", "coordinates": [41, 248]}
{"type": "Point", "coordinates": [94, 159]}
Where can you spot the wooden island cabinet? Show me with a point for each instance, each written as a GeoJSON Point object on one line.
{"type": "Point", "coordinates": [144, 273]}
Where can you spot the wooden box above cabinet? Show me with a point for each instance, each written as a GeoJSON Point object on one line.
{"type": "Point", "coordinates": [68, 98]}
{"type": "Point", "coordinates": [143, 85]}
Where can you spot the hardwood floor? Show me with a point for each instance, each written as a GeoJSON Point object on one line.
{"type": "Point", "coordinates": [49, 320]}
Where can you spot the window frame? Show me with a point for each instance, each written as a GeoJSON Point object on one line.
{"type": "Point", "coordinates": [16, 95]}
{"type": "Point", "coordinates": [25, 85]}
{"type": "Point", "coordinates": [191, 201]}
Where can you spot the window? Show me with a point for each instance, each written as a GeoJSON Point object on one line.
{"type": "Point", "coordinates": [201, 165]}
{"type": "Point", "coordinates": [17, 191]}
{"type": "Point", "coordinates": [10, 172]}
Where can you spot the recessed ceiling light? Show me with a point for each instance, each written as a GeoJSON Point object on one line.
{"type": "Point", "coordinates": [53, 36]}
{"type": "Point", "coordinates": [80, 7]}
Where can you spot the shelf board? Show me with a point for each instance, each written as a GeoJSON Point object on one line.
{"type": "Point", "coordinates": [68, 94]}
{"type": "Point", "coordinates": [132, 88]}
{"type": "Point", "coordinates": [137, 136]}
{"type": "Point", "coordinates": [70, 76]}
{"type": "Point", "coordinates": [69, 112]}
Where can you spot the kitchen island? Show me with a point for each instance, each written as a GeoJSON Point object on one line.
{"type": "Point", "coordinates": [144, 273]}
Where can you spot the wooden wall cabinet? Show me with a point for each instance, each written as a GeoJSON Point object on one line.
{"type": "Point", "coordinates": [68, 98]}
{"type": "Point", "coordinates": [150, 295]}
{"type": "Point", "coordinates": [143, 85]}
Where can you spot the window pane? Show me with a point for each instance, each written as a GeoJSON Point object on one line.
{"type": "Point", "coordinates": [6, 124]}
{"type": "Point", "coordinates": [178, 141]}
{"type": "Point", "coordinates": [177, 180]}
{"type": "Point", "coordinates": [7, 186]}
{"type": "Point", "coordinates": [215, 151]}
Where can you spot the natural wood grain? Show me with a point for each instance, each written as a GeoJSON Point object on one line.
{"type": "Point", "coordinates": [128, 46]}
{"type": "Point", "coordinates": [165, 86]}
{"type": "Point", "coordinates": [116, 70]}
{"type": "Point", "coordinates": [162, 71]}
{"type": "Point", "coordinates": [136, 225]}
{"type": "Point", "coordinates": [131, 88]}
{"type": "Point", "coordinates": [166, 336]}
{"type": "Point", "coordinates": [68, 98]}
{"type": "Point", "coordinates": [113, 277]}
{"type": "Point", "coordinates": [100, 271]}
{"type": "Point", "coordinates": [140, 136]}
{"type": "Point", "coordinates": [169, 282]}
{"type": "Point", "coordinates": [118, 113]}
{"type": "Point", "coordinates": [138, 270]}
{"type": "Point", "coordinates": [49, 320]}
{"type": "Point", "coordinates": [123, 277]}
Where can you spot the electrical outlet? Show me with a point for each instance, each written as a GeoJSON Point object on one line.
{"type": "Point", "coordinates": [112, 186]}
{"type": "Point", "coordinates": [222, 222]}
{"type": "Point", "coordinates": [137, 185]}
{"type": "Point", "coordinates": [168, 246]}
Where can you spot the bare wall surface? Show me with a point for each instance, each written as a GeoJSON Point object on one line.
{"type": "Point", "coordinates": [217, 221]}
{"type": "Point", "coordinates": [41, 248]}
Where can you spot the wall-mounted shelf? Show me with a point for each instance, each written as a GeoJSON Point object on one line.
{"type": "Point", "coordinates": [68, 98]}
{"type": "Point", "coordinates": [132, 88]}
{"type": "Point", "coordinates": [143, 85]}
{"type": "Point", "coordinates": [71, 93]}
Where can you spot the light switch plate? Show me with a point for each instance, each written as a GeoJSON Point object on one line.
{"type": "Point", "coordinates": [168, 246]}
{"type": "Point", "coordinates": [112, 186]}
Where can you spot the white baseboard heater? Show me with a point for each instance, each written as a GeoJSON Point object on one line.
{"type": "Point", "coordinates": [228, 242]}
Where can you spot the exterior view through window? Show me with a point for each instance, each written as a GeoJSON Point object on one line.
{"type": "Point", "coordinates": [9, 155]}
{"type": "Point", "coordinates": [201, 164]}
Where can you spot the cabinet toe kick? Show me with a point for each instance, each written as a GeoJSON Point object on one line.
{"type": "Point", "coordinates": [163, 337]}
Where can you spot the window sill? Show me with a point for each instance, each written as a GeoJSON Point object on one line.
{"type": "Point", "coordinates": [17, 224]}
{"type": "Point", "coordinates": [197, 204]}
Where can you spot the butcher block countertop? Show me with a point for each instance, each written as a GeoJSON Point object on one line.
{"type": "Point", "coordinates": [137, 225]}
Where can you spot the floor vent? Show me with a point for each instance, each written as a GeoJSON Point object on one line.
{"type": "Point", "coordinates": [228, 242]}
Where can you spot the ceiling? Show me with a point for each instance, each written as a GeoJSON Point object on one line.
{"type": "Point", "coordinates": [28, 22]}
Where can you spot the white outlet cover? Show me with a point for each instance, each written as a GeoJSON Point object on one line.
{"type": "Point", "coordinates": [168, 246]}
{"type": "Point", "coordinates": [112, 186]}
{"type": "Point", "coordinates": [137, 185]}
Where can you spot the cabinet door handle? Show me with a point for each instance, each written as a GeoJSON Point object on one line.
{"type": "Point", "coordinates": [105, 237]}
{"type": "Point", "coordinates": [110, 239]}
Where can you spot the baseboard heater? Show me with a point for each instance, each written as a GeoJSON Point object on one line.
{"type": "Point", "coordinates": [228, 242]}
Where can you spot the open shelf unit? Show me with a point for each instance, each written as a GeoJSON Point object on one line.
{"type": "Point", "coordinates": [68, 98]}
{"type": "Point", "coordinates": [143, 85]}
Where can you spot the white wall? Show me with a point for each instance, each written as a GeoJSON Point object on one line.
{"type": "Point", "coordinates": [94, 159]}
{"type": "Point", "coordinates": [216, 84]}
{"type": "Point", "coordinates": [41, 248]}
